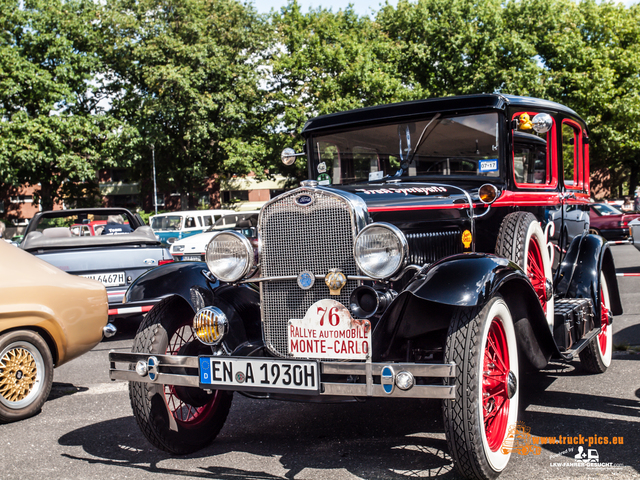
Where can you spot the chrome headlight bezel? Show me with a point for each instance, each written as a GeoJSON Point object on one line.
{"type": "Point", "coordinates": [245, 248]}
{"type": "Point", "coordinates": [402, 246]}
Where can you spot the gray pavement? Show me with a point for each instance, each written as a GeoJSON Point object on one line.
{"type": "Point", "coordinates": [86, 429]}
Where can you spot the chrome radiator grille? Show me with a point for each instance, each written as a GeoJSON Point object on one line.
{"type": "Point", "coordinates": [295, 238]}
{"type": "Point", "coordinates": [431, 247]}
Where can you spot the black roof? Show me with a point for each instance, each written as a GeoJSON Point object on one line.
{"type": "Point", "coordinates": [418, 108]}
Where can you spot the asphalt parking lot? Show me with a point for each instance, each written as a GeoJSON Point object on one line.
{"type": "Point", "coordinates": [86, 429]}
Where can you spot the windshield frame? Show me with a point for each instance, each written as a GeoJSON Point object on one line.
{"type": "Point", "coordinates": [316, 169]}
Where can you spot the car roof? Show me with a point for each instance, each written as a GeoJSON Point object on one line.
{"type": "Point", "coordinates": [417, 108]}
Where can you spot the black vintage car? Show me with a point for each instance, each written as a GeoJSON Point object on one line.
{"type": "Point", "coordinates": [427, 257]}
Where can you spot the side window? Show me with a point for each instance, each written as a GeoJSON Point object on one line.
{"type": "Point", "coordinates": [199, 221]}
{"type": "Point", "coordinates": [207, 220]}
{"type": "Point", "coordinates": [190, 223]}
{"type": "Point", "coordinates": [572, 158]}
{"type": "Point", "coordinates": [533, 153]}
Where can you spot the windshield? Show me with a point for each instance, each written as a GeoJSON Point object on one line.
{"type": "Point", "coordinates": [605, 209]}
{"type": "Point", "coordinates": [436, 146]}
{"type": "Point", "coordinates": [169, 222]}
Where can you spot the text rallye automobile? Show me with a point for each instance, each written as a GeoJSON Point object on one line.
{"type": "Point", "coordinates": [428, 256]}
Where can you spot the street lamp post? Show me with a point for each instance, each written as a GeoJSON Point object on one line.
{"type": "Point", "coordinates": [155, 190]}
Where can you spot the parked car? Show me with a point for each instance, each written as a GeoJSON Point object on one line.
{"type": "Point", "coordinates": [115, 260]}
{"type": "Point", "coordinates": [170, 227]}
{"type": "Point", "coordinates": [47, 318]}
{"type": "Point", "coordinates": [89, 228]}
{"type": "Point", "coordinates": [193, 248]}
{"type": "Point", "coordinates": [420, 260]}
{"type": "Point", "coordinates": [609, 221]}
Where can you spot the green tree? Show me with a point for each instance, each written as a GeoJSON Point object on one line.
{"type": "Point", "coordinates": [49, 134]}
{"type": "Point", "coordinates": [185, 75]}
{"type": "Point", "coordinates": [590, 53]}
{"type": "Point", "coordinates": [324, 62]}
{"type": "Point", "coordinates": [457, 47]}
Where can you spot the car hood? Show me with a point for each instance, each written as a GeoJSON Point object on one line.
{"type": "Point", "coordinates": [412, 195]}
{"type": "Point", "coordinates": [194, 242]}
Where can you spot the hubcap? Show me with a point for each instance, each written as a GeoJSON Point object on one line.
{"type": "Point", "coordinates": [604, 324]}
{"type": "Point", "coordinates": [495, 385]}
{"type": "Point", "coordinates": [18, 372]}
{"type": "Point", "coordinates": [535, 272]}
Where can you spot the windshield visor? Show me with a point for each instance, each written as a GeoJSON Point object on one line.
{"type": "Point", "coordinates": [437, 146]}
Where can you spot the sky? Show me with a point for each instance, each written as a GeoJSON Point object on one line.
{"type": "Point", "coordinates": [362, 7]}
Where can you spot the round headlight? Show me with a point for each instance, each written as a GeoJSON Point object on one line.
{"type": "Point", "coordinates": [229, 256]}
{"type": "Point", "coordinates": [380, 250]}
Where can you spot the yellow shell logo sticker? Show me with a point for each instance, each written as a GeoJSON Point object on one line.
{"type": "Point", "coordinates": [466, 238]}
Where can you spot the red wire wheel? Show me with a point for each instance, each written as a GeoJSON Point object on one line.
{"type": "Point", "coordinates": [535, 272]}
{"type": "Point", "coordinates": [176, 419]}
{"type": "Point", "coordinates": [495, 398]}
{"type": "Point", "coordinates": [604, 324]}
{"type": "Point", "coordinates": [185, 414]}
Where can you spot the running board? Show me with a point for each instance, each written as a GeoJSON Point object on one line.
{"type": "Point", "coordinates": [581, 345]}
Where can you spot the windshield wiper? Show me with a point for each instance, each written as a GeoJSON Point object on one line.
{"type": "Point", "coordinates": [423, 136]}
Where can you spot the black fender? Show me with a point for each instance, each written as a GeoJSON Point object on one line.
{"type": "Point", "coordinates": [190, 280]}
{"type": "Point", "coordinates": [193, 282]}
{"type": "Point", "coordinates": [468, 280]}
{"type": "Point", "coordinates": [579, 273]}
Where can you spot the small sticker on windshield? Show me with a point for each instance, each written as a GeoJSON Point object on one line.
{"type": "Point", "coordinates": [375, 175]}
{"type": "Point", "coordinates": [324, 179]}
{"type": "Point", "coordinates": [322, 167]}
{"type": "Point", "coordinates": [490, 165]}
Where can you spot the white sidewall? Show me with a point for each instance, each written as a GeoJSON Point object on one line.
{"type": "Point", "coordinates": [606, 358]}
{"type": "Point", "coordinates": [499, 309]}
{"type": "Point", "coordinates": [536, 232]}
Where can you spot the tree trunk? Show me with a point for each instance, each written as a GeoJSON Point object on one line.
{"type": "Point", "coordinates": [633, 179]}
{"type": "Point", "coordinates": [46, 196]}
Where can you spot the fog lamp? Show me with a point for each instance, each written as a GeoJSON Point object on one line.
{"type": "Point", "coordinates": [210, 325]}
{"type": "Point", "coordinates": [141, 368]}
{"type": "Point", "coordinates": [404, 380]}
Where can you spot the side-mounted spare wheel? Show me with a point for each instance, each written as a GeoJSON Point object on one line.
{"type": "Point", "coordinates": [178, 420]}
{"type": "Point", "coordinates": [521, 240]}
{"type": "Point", "coordinates": [482, 344]}
{"type": "Point", "coordinates": [596, 357]}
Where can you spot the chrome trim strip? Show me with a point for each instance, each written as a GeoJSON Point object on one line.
{"type": "Point", "coordinates": [163, 360]}
{"type": "Point", "coordinates": [447, 370]}
{"type": "Point", "coordinates": [294, 277]}
{"type": "Point", "coordinates": [163, 378]}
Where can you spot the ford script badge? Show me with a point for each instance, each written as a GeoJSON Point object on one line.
{"type": "Point", "coordinates": [149, 261]}
{"type": "Point", "coordinates": [306, 280]}
{"type": "Point", "coordinates": [304, 200]}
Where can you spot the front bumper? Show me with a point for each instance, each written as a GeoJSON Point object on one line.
{"type": "Point", "coordinates": [165, 373]}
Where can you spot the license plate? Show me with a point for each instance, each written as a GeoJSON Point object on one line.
{"type": "Point", "coordinates": [108, 279]}
{"type": "Point", "coordinates": [191, 258]}
{"type": "Point", "coordinates": [259, 374]}
{"type": "Point", "coordinates": [329, 331]}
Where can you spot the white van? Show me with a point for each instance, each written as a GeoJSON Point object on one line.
{"type": "Point", "coordinates": [173, 226]}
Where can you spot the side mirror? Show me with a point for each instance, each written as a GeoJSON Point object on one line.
{"type": "Point", "coordinates": [289, 155]}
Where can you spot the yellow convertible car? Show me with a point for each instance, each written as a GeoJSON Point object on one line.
{"type": "Point", "coordinates": [47, 317]}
